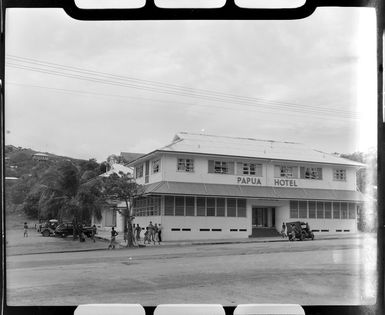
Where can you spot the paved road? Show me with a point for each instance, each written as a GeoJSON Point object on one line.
{"type": "Point", "coordinates": [319, 272]}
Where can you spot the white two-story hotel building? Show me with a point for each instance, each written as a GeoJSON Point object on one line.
{"type": "Point", "coordinates": [214, 187]}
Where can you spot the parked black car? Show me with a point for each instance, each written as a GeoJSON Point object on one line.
{"type": "Point", "coordinates": [67, 228]}
{"type": "Point", "coordinates": [301, 231]}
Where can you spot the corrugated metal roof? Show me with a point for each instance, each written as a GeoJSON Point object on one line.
{"type": "Point", "coordinates": [224, 190]}
{"type": "Point", "coordinates": [251, 148]}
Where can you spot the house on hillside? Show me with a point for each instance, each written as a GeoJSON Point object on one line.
{"type": "Point", "coordinates": [110, 215]}
{"type": "Point", "coordinates": [40, 157]}
{"type": "Point", "coordinates": [217, 187]}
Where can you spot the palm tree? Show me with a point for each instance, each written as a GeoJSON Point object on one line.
{"type": "Point", "coordinates": [65, 196]}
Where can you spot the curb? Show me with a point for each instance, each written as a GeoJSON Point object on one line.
{"type": "Point", "coordinates": [192, 243]}
{"type": "Point", "coordinates": [227, 242]}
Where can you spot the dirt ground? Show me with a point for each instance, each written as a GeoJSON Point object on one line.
{"type": "Point", "coordinates": [325, 272]}
{"type": "Point", "coordinates": [17, 244]}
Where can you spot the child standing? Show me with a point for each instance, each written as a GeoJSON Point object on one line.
{"type": "Point", "coordinates": [25, 229]}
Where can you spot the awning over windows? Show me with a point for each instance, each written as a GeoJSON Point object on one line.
{"type": "Point", "coordinates": [223, 190]}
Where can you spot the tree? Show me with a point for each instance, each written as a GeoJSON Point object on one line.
{"type": "Point", "coordinates": [20, 157]}
{"type": "Point", "coordinates": [366, 183]}
{"type": "Point", "coordinates": [65, 194]}
{"type": "Point", "coordinates": [90, 165]}
{"type": "Point", "coordinates": [124, 188]}
{"type": "Point", "coordinates": [103, 167]}
{"type": "Point", "coordinates": [115, 159]}
{"type": "Point", "coordinates": [19, 191]}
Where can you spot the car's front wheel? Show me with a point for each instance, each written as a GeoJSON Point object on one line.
{"type": "Point", "coordinates": [46, 233]}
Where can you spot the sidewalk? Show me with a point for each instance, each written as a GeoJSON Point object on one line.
{"type": "Point", "coordinates": [106, 235]}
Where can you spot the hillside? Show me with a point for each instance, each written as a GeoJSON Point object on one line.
{"type": "Point", "coordinates": [24, 169]}
{"type": "Point", "coordinates": [19, 161]}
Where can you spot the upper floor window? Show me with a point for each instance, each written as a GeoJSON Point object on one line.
{"type": "Point", "coordinates": [311, 172]}
{"type": "Point", "coordinates": [221, 167]}
{"type": "Point", "coordinates": [286, 171]}
{"type": "Point", "coordinates": [186, 165]}
{"type": "Point", "coordinates": [339, 174]}
{"type": "Point", "coordinates": [139, 171]}
{"type": "Point", "coordinates": [155, 166]}
{"type": "Point", "coordinates": [250, 169]}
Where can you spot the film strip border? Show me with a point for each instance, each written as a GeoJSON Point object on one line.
{"type": "Point", "coordinates": [190, 309]}
{"type": "Point", "coordinates": [230, 11]}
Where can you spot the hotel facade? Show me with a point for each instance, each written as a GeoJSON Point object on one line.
{"type": "Point", "coordinates": [214, 187]}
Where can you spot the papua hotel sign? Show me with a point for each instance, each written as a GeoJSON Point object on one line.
{"type": "Point", "coordinates": [247, 180]}
{"type": "Point", "coordinates": [285, 182]}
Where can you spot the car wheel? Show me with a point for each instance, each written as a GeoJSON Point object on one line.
{"type": "Point", "coordinates": [64, 235]}
{"type": "Point", "coordinates": [302, 237]}
{"type": "Point", "coordinates": [46, 233]}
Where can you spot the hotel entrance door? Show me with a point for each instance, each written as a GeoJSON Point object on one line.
{"type": "Point", "coordinates": [263, 217]}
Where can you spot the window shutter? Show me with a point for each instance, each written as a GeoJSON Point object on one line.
{"type": "Point", "coordinates": [239, 168]}
{"type": "Point", "coordinates": [302, 172]}
{"type": "Point", "coordinates": [319, 173]}
{"type": "Point", "coordinates": [277, 171]}
{"type": "Point", "coordinates": [211, 166]}
{"type": "Point", "coordinates": [231, 168]}
{"type": "Point", "coordinates": [295, 171]}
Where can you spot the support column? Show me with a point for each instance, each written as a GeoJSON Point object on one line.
{"type": "Point", "coordinates": [269, 217]}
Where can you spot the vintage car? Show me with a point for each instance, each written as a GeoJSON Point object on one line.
{"type": "Point", "coordinates": [48, 228]}
{"type": "Point", "coordinates": [298, 231]}
{"type": "Point", "coordinates": [67, 228]}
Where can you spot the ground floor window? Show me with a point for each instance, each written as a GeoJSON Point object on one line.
{"type": "Point", "coordinates": [204, 206]}
{"type": "Point", "coordinates": [190, 206]}
{"type": "Point", "coordinates": [201, 206]}
{"type": "Point", "coordinates": [147, 206]}
{"type": "Point", "coordinates": [302, 209]}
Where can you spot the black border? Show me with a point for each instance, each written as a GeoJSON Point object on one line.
{"type": "Point", "coordinates": [228, 12]}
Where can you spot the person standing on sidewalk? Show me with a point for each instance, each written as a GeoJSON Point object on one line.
{"type": "Point", "coordinates": [113, 236]}
{"type": "Point", "coordinates": [156, 231]}
{"type": "Point", "coordinates": [25, 229]}
{"type": "Point", "coordinates": [151, 232]}
{"type": "Point", "coordinates": [160, 233]}
{"type": "Point", "coordinates": [283, 231]}
{"type": "Point", "coordinates": [146, 236]}
{"type": "Point", "coordinates": [93, 233]}
{"type": "Point", "coordinates": [138, 229]}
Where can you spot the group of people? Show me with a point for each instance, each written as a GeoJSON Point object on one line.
{"type": "Point", "coordinates": [153, 233]}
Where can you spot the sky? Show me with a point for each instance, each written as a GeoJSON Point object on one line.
{"type": "Point", "coordinates": [91, 89]}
